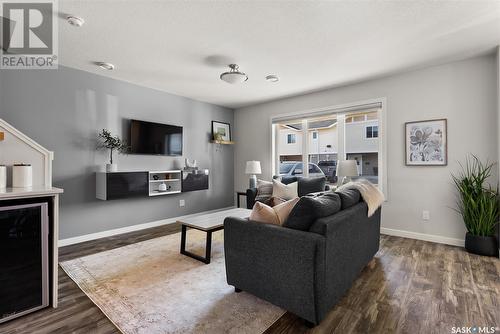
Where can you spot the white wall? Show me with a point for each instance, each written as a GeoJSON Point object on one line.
{"type": "Point", "coordinates": [13, 150]}
{"type": "Point", "coordinates": [464, 92]}
{"type": "Point", "coordinates": [355, 138]}
{"type": "Point", "coordinates": [326, 137]}
{"type": "Point", "coordinates": [64, 109]}
{"type": "Point", "coordinates": [292, 148]}
{"type": "Point", "coordinates": [498, 121]}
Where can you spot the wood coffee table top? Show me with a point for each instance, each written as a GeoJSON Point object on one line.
{"type": "Point", "coordinates": [214, 220]}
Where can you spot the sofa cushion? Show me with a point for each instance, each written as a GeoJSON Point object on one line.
{"type": "Point", "coordinates": [287, 179]}
{"type": "Point", "coordinates": [276, 215]}
{"type": "Point", "coordinates": [311, 207]}
{"type": "Point", "coordinates": [273, 201]}
{"type": "Point", "coordinates": [309, 185]}
{"type": "Point", "coordinates": [285, 191]}
{"type": "Point", "coordinates": [349, 197]}
{"type": "Point", "coordinates": [264, 191]}
{"type": "Point", "coordinates": [284, 209]}
{"type": "Point", "coordinates": [263, 213]}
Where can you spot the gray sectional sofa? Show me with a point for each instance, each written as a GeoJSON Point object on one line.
{"type": "Point", "coordinates": [307, 265]}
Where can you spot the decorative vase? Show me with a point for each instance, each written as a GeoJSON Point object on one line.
{"type": "Point", "coordinates": [110, 168]}
{"type": "Point", "coordinates": [162, 187]}
{"type": "Point", "coordinates": [480, 245]}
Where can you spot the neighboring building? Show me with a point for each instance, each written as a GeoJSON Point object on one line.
{"type": "Point", "coordinates": [361, 133]}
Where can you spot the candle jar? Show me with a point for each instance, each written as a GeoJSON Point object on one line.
{"type": "Point", "coordinates": [22, 176]}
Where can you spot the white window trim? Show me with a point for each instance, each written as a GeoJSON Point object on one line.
{"type": "Point", "coordinates": [382, 143]}
{"type": "Point", "coordinates": [292, 136]}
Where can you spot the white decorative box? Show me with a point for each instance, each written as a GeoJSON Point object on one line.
{"type": "Point", "coordinates": [22, 176]}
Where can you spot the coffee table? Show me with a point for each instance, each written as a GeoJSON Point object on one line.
{"type": "Point", "coordinates": [208, 223]}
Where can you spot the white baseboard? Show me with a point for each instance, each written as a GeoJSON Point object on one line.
{"type": "Point", "coordinates": [138, 227]}
{"type": "Point", "coordinates": [422, 236]}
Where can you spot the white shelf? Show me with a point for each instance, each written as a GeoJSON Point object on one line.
{"type": "Point", "coordinates": [160, 193]}
{"type": "Point", "coordinates": [166, 180]}
{"type": "Point", "coordinates": [36, 191]}
{"type": "Point", "coordinates": [164, 171]}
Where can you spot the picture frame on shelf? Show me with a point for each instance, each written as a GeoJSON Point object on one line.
{"type": "Point", "coordinates": [221, 131]}
{"type": "Point", "coordinates": [426, 143]}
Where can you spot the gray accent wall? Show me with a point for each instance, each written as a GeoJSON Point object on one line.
{"type": "Point", "coordinates": [464, 92]}
{"type": "Point", "coordinates": [64, 109]}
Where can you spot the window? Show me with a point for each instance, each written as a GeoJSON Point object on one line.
{"type": "Point", "coordinates": [286, 167]}
{"type": "Point", "coordinates": [313, 169]}
{"type": "Point", "coordinates": [372, 131]}
{"type": "Point", "coordinates": [345, 135]}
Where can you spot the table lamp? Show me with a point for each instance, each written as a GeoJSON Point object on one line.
{"type": "Point", "coordinates": [253, 168]}
{"type": "Point", "coordinates": [345, 170]}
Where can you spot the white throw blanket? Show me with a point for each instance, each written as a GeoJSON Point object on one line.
{"type": "Point", "coordinates": [370, 193]}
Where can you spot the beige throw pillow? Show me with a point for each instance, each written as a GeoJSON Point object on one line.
{"type": "Point", "coordinates": [277, 215]}
{"type": "Point", "coordinates": [263, 213]}
{"type": "Point", "coordinates": [285, 191]}
{"type": "Point", "coordinates": [283, 210]}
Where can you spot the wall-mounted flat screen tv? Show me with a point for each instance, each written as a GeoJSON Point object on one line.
{"type": "Point", "coordinates": [155, 138]}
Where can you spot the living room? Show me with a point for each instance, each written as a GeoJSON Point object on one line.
{"type": "Point", "coordinates": [217, 227]}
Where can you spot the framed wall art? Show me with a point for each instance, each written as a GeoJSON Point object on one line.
{"type": "Point", "coordinates": [426, 143]}
{"type": "Point", "coordinates": [221, 131]}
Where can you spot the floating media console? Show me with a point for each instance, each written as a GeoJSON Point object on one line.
{"type": "Point", "coordinates": [118, 185]}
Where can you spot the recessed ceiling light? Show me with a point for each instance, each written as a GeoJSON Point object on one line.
{"type": "Point", "coordinates": [106, 66]}
{"type": "Point", "coordinates": [234, 76]}
{"type": "Point", "coordinates": [272, 78]}
{"type": "Point", "coordinates": [75, 20]}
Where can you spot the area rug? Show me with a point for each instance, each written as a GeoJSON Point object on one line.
{"type": "Point", "coordinates": [149, 287]}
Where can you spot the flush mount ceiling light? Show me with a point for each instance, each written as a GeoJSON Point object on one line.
{"type": "Point", "coordinates": [75, 20]}
{"type": "Point", "coordinates": [272, 78]}
{"type": "Point", "coordinates": [234, 76]}
{"type": "Point", "coordinates": [106, 66]}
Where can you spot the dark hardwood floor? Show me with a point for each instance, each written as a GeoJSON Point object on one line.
{"type": "Point", "coordinates": [410, 287]}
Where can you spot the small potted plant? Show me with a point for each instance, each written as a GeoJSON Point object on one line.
{"type": "Point", "coordinates": [478, 205]}
{"type": "Point", "coordinates": [107, 141]}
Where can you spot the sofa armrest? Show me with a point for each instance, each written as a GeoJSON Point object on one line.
{"type": "Point", "coordinates": [251, 194]}
{"type": "Point", "coordinates": [352, 240]}
{"type": "Point", "coordinates": [275, 263]}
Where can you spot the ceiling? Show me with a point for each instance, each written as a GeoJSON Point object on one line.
{"type": "Point", "coordinates": [181, 47]}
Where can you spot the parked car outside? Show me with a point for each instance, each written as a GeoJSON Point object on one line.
{"type": "Point", "coordinates": [296, 168]}
{"type": "Point", "coordinates": [329, 167]}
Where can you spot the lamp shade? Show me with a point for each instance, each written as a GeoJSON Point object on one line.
{"type": "Point", "coordinates": [253, 167]}
{"type": "Point", "coordinates": [347, 168]}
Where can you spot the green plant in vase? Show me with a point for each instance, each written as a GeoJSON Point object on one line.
{"type": "Point", "coordinates": [478, 205]}
{"type": "Point", "coordinates": [113, 143]}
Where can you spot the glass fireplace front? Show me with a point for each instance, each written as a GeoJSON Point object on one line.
{"type": "Point", "coordinates": [24, 276]}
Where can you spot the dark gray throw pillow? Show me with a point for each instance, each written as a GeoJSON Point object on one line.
{"type": "Point", "coordinates": [349, 197]}
{"type": "Point", "coordinates": [310, 208]}
{"type": "Point", "coordinates": [309, 185]}
{"type": "Point", "coordinates": [287, 179]}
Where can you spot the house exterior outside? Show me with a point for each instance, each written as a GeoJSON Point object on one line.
{"type": "Point", "coordinates": [361, 142]}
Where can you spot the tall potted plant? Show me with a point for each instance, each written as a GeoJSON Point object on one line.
{"type": "Point", "coordinates": [107, 141]}
{"type": "Point", "coordinates": [478, 205]}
